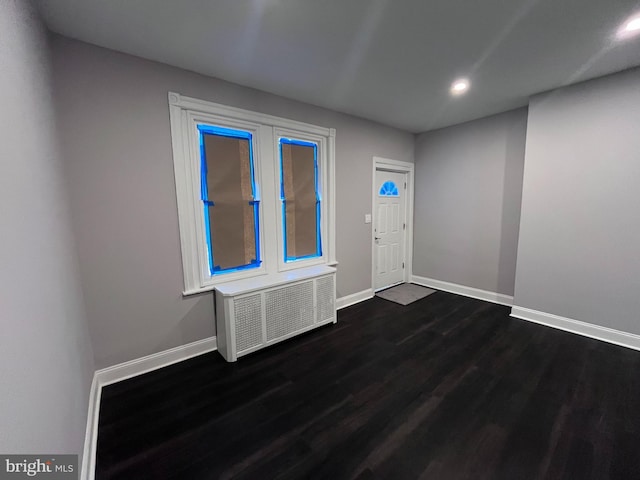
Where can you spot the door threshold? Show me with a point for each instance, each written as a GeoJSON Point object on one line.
{"type": "Point", "coordinates": [388, 286]}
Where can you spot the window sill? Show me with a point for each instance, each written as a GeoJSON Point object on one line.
{"type": "Point", "coordinates": [267, 281]}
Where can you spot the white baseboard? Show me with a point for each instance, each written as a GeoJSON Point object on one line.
{"type": "Point", "coordinates": [617, 337]}
{"type": "Point", "coordinates": [133, 368]}
{"type": "Point", "coordinates": [88, 470]}
{"type": "Point", "coordinates": [123, 371]}
{"type": "Point", "coordinates": [354, 298]}
{"type": "Point", "coordinates": [485, 295]}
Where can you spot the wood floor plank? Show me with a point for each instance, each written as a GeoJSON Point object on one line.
{"type": "Point", "coordinates": [445, 388]}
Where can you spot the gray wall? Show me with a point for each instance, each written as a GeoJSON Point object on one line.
{"type": "Point", "coordinates": [46, 362]}
{"type": "Point", "coordinates": [116, 140]}
{"type": "Point", "coordinates": [467, 202]}
{"type": "Point", "coordinates": [579, 248]}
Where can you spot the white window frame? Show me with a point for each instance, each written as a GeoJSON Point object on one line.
{"type": "Point", "coordinates": [185, 114]}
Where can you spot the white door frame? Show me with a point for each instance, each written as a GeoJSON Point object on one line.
{"type": "Point", "coordinates": [399, 166]}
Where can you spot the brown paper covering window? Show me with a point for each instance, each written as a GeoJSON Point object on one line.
{"type": "Point", "coordinates": [231, 218]}
{"type": "Point", "coordinates": [298, 174]}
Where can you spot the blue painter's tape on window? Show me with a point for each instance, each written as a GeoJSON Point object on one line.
{"type": "Point", "coordinates": [224, 132]}
{"type": "Point", "coordinates": [205, 193]}
{"type": "Point", "coordinates": [318, 252]}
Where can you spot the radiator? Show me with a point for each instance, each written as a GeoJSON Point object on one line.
{"type": "Point", "coordinates": [252, 314]}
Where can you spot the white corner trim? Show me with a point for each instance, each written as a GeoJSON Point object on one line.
{"type": "Point", "coordinates": [138, 366]}
{"type": "Point", "coordinates": [485, 295]}
{"type": "Point", "coordinates": [88, 469]}
{"type": "Point", "coordinates": [605, 334]}
{"type": "Point", "coordinates": [123, 371]}
{"type": "Point", "coordinates": [354, 298]}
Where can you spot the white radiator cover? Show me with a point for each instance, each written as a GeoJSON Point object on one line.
{"type": "Point", "coordinates": [252, 314]}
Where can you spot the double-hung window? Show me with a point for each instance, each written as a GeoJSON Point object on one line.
{"type": "Point", "coordinates": [301, 204]}
{"type": "Point", "coordinates": [254, 193]}
{"type": "Point", "coordinates": [231, 206]}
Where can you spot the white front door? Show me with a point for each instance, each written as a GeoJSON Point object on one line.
{"type": "Point", "coordinates": [389, 228]}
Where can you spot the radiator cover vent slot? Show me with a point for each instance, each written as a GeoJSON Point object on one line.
{"type": "Point", "coordinates": [289, 309]}
{"type": "Point", "coordinates": [325, 294]}
{"type": "Point", "coordinates": [248, 313]}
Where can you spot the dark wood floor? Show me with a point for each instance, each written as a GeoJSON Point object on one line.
{"type": "Point", "coordinates": [445, 388]}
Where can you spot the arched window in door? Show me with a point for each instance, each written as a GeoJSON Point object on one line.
{"type": "Point", "coordinates": [388, 189]}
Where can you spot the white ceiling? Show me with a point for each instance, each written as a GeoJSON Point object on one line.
{"type": "Point", "coordinates": [391, 61]}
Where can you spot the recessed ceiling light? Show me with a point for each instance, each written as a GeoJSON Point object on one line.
{"type": "Point", "coordinates": [630, 28]}
{"type": "Point", "coordinates": [460, 86]}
